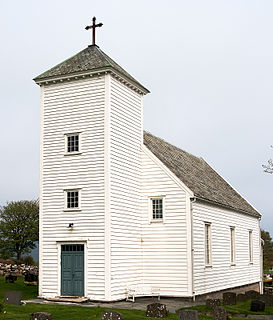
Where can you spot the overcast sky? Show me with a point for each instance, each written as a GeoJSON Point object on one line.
{"type": "Point", "coordinates": [207, 63]}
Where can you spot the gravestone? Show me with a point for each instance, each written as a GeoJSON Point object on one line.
{"type": "Point", "coordinates": [252, 294]}
{"type": "Point", "coordinates": [219, 313]}
{"type": "Point", "coordinates": [188, 315]}
{"type": "Point", "coordinates": [229, 298]}
{"type": "Point", "coordinates": [111, 315]}
{"type": "Point", "coordinates": [31, 277]}
{"type": "Point", "coordinates": [213, 303]}
{"type": "Point", "coordinates": [257, 305]}
{"type": "Point", "coordinates": [156, 310]}
{"type": "Point", "coordinates": [267, 299]}
{"type": "Point", "coordinates": [241, 297]}
{"type": "Point", "coordinates": [40, 316]}
{"type": "Point", "coordinates": [13, 297]}
{"type": "Point", "coordinates": [10, 279]}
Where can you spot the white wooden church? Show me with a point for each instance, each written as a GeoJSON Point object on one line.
{"type": "Point", "coordinates": [121, 209]}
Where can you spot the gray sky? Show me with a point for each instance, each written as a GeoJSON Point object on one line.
{"type": "Point", "coordinates": [208, 65]}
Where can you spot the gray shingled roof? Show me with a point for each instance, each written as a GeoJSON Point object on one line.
{"type": "Point", "coordinates": [91, 58]}
{"type": "Point", "coordinates": [197, 175]}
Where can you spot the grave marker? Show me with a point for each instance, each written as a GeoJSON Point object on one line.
{"type": "Point", "coordinates": [188, 315]}
{"type": "Point", "coordinates": [111, 315]}
{"type": "Point", "coordinates": [156, 310]}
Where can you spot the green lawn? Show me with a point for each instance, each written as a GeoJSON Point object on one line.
{"type": "Point", "coordinates": [28, 292]}
{"type": "Point", "coordinates": [60, 312]}
{"type": "Point", "coordinates": [239, 308]}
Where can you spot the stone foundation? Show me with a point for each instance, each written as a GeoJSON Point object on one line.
{"type": "Point", "coordinates": [219, 294]}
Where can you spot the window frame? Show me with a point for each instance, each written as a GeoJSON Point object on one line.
{"type": "Point", "coordinates": [151, 218]}
{"type": "Point", "coordinates": [232, 246]}
{"type": "Point", "coordinates": [66, 209]}
{"type": "Point", "coordinates": [250, 246]}
{"type": "Point", "coordinates": [70, 134]}
{"type": "Point", "coordinates": [207, 245]}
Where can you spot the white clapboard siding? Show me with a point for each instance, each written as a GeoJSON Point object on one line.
{"type": "Point", "coordinates": [222, 275]}
{"type": "Point", "coordinates": [164, 245]}
{"type": "Point", "coordinates": [76, 106]}
{"type": "Point", "coordinates": [125, 137]}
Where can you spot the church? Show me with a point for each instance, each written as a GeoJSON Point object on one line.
{"type": "Point", "coordinates": [122, 210]}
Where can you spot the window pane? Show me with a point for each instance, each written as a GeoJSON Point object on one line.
{"type": "Point", "coordinates": [232, 245]}
{"type": "Point", "coordinates": [157, 205]}
{"type": "Point", "coordinates": [250, 247]}
{"type": "Point", "coordinates": [207, 245]}
{"type": "Point", "coordinates": [72, 199]}
{"type": "Point", "coordinates": [73, 143]}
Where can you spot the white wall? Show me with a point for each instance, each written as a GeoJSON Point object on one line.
{"type": "Point", "coordinates": [125, 138]}
{"type": "Point", "coordinates": [165, 246]}
{"type": "Point", "coordinates": [222, 275]}
{"type": "Point", "coordinates": [76, 106]}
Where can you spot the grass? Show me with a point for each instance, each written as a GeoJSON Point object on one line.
{"type": "Point", "coordinates": [239, 308]}
{"type": "Point", "coordinates": [69, 312]}
{"type": "Point", "coordinates": [60, 312]}
{"type": "Point", "coordinates": [28, 292]}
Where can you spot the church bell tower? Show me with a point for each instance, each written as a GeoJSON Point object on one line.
{"type": "Point", "coordinates": [91, 138]}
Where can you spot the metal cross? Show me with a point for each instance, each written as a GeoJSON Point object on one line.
{"type": "Point", "coordinates": [94, 26]}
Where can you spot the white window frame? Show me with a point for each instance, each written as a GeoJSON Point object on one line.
{"type": "Point", "coordinates": [232, 246]}
{"type": "Point", "coordinates": [79, 199]}
{"type": "Point", "coordinates": [66, 135]}
{"type": "Point", "coordinates": [157, 220]}
{"type": "Point", "coordinates": [207, 244]}
{"type": "Point", "coordinates": [250, 246]}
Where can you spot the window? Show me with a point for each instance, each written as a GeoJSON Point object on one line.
{"type": "Point", "coordinates": [156, 209]}
{"type": "Point", "coordinates": [72, 199]}
{"type": "Point", "coordinates": [232, 245]}
{"type": "Point", "coordinates": [250, 246]}
{"type": "Point", "coordinates": [72, 143]}
{"type": "Point", "coordinates": [207, 244]}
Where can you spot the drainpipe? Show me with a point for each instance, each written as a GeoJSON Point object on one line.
{"type": "Point", "coordinates": [193, 200]}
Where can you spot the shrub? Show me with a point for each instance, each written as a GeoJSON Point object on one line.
{"type": "Point", "coordinates": [1, 307]}
{"type": "Point", "coordinates": [28, 260]}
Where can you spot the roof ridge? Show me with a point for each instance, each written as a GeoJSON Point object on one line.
{"type": "Point", "coordinates": [103, 55]}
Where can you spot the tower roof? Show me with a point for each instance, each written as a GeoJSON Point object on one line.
{"type": "Point", "coordinates": [90, 60]}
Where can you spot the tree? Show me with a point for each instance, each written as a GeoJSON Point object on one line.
{"type": "Point", "coordinates": [268, 250]}
{"type": "Point", "coordinates": [268, 168]}
{"type": "Point", "coordinates": [19, 227]}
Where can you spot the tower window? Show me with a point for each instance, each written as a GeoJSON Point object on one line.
{"type": "Point", "coordinates": [72, 199]}
{"type": "Point", "coordinates": [72, 143]}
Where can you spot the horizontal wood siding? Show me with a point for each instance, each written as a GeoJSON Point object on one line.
{"type": "Point", "coordinates": [222, 274]}
{"type": "Point", "coordinates": [125, 144]}
{"type": "Point", "coordinates": [164, 245]}
{"type": "Point", "coordinates": [76, 106]}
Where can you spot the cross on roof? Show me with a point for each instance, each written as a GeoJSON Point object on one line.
{"type": "Point", "coordinates": [94, 26]}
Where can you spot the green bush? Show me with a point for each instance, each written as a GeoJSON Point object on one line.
{"type": "Point", "coordinates": [1, 307]}
{"type": "Point", "coordinates": [28, 260]}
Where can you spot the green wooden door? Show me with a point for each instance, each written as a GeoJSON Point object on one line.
{"type": "Point", "coordinates": [72, 266]}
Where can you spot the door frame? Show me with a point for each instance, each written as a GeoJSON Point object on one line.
{"type": "Point", "coordinates": [59, 271]}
